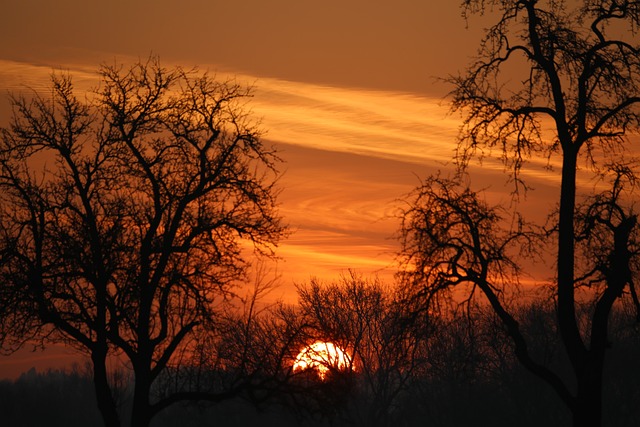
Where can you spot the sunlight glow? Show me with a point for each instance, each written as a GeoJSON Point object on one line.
{"type": "Point", "coordinates": [322, 356]}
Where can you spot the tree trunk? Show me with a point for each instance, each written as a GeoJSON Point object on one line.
{"type": "Point", "coordinates": [567, 323]}
{"type": "Point", "coordinates": [141, 409]}
{"type": "Point", "coordinates": [587, 411]}
{"type": "Point", "coordinates": [588, 407]}
{"type": "Point", "coordinates": [104, 398]}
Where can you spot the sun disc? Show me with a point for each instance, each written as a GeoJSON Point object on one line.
{"type": "Point", "coordinates": [322, 356]}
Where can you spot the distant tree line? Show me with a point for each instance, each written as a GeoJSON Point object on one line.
{"type": "Point", "coordinates": [462, 372]}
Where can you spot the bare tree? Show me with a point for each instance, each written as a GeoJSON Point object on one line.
{"type": "Point", "coordinates": [124, 217]}
{"type": "Point", "coordinates": [384, 342]}
{"type": "Point", "coordinates": [577, 97]}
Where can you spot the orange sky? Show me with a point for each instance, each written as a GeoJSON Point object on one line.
{"type": "Point", "coordinates": [378, 44]}
{"type": "Point", "coordinates": [345, 89]}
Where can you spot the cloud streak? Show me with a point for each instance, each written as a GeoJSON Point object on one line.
{"type": "Point", "coordinates": [383, 124]}
{"type": "Point", "coordinates": [350, 155]}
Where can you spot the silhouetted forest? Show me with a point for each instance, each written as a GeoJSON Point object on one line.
{"type": "Point", "coordinates": [469, 377]}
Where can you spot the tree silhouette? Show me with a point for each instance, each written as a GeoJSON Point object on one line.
{"type": "Point", "coordinates": [126, 218]}
{"type": "Point", "coordinates": [385, 344]}
{"type": "Point", "coordinates": [576, 97]}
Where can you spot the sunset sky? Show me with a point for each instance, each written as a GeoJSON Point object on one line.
{"type": "Point", "coordinates": [346, 89]}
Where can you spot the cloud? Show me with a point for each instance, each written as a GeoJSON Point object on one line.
{"type": "Point", "coordinates": [350, 155]}
{"type": "Point", "coordinates": [382, 124]}
{"type": "Point", "coordinates": [389, 125]}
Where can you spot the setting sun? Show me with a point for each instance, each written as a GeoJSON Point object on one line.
{"type": "Point", "coordinates": [322, 356]}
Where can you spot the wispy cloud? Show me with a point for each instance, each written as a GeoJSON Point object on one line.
{"type": "Point", "coordinates": [390, 125]}
{"type": "Point", "coordinates": [350, 153]}
{"type": "Point", "coordinates": [384, 124]}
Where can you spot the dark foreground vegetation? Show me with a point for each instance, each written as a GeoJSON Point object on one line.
{"type": "Point", "coordinates": [461, 376]}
